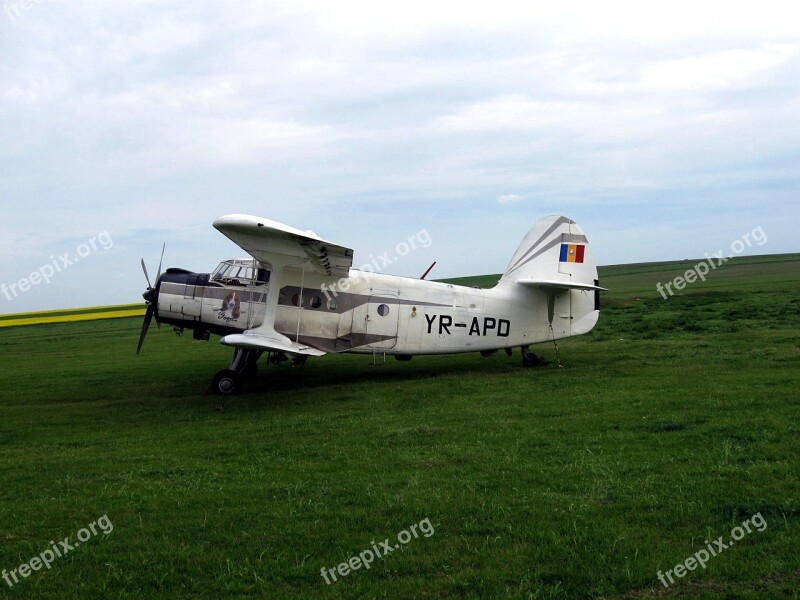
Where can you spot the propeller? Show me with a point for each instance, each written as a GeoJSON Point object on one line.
{"type": "Point", "coordinates": [149, 298]}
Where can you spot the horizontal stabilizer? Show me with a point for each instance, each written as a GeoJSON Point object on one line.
{"type": "Point", "coordinates": [559, 285]}
{"type": "Point", "coordinates": [253, 341]}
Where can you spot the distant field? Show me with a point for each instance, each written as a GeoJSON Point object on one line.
{"type": "Point", "coordinates": [673, 422]}
{"type": "Point", "coordinates": [72, 315]}
{"type": "Point", "coordinates": [746, 273]}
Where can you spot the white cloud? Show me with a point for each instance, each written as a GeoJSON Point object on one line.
{"type": "Point", "coordinates": [579, 20]}
{"type": "Point", "coordinates": [722, 69]}
{"type": "Point", "coordinates": [508, 198]}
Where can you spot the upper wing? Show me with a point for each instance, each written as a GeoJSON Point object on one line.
{"type": "Point", "coordinates": [262, 239]}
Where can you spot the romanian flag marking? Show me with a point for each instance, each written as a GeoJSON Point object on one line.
{"type": "Point", "coordinates": [572, 253]}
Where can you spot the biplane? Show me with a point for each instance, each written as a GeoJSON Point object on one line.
{"type": "Point", "coordinates": [297, 296]}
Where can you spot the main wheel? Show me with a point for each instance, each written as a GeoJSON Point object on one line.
{"type": "Point", "coordinates": [226, 383]}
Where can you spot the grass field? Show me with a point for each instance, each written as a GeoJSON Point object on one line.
{"type": "Point", "coordinates": [671, 423]}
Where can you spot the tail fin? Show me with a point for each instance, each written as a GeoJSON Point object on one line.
{"type": "Point", "coordinates": [556, 257]}
{"type": "Point", "coordinates": [555, 250]}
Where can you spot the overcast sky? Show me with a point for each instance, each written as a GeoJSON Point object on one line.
{"type": "Point", "coordinates": [666, 132]}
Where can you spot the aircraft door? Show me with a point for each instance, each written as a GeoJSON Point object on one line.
{"type": "Point", "coordinates": [378, 321]}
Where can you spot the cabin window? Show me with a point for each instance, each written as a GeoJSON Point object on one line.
{"type": "Point", "coordinates": [316, 302]}
{"type": "Point", "coordinates": [297, 300]}
{"type": "Point", "coordinates": [383, 310]}
{"type": "Point", "coordinates": [240, 272]}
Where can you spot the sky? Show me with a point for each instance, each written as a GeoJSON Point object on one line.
{"type": "Point", "coordinates": [666, 132]}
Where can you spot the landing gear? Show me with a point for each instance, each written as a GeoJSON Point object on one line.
{"type": "Point", "coordinates": [529, 359]}
{"type": "Point", "coordinates": [243, 367]}
{"type": "Point", "coordinates": [226, 383]}
{"type": "Point", "coordinates": [276, 358]}
{"type": "Point", "coordinates": [250, 372]}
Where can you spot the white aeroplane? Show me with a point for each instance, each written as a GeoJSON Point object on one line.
{"type": "Point", "coordinates": [298, 296]}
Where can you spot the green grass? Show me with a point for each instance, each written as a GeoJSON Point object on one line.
{"type": "Point", "coordinates": [671, 423]}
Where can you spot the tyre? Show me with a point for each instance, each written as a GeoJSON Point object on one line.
{"type": "Point", "coordinates": [226, 383]}
{"type": "Point", "coordinates": [529, 359]}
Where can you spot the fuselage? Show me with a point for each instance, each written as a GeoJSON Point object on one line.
{"type": "Point", "coordinates": [372, 312]}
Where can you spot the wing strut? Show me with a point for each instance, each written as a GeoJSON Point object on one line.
{"type": "Point", "coordinates": [265, 337]}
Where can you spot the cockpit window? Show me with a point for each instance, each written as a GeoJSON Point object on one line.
{"type": "Point", "coordinates": [240, 272]}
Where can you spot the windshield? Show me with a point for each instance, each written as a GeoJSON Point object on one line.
{"type": "Point", "coordinates": [240, 272]}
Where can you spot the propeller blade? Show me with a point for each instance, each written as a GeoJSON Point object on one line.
{"type": "Point", "coordinates": [164, 247]}
{"type": "Point", "coordinates": [148, 316]}
{"type": "Point", "coordinates": [150, 298]}
{"type": "Point", "coordinates": [146, 276]}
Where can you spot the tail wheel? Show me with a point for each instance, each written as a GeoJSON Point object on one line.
{"type": "Point", "coordinates": [226, 383]}
{"type": "Point", "coordinates": [529, 359]}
